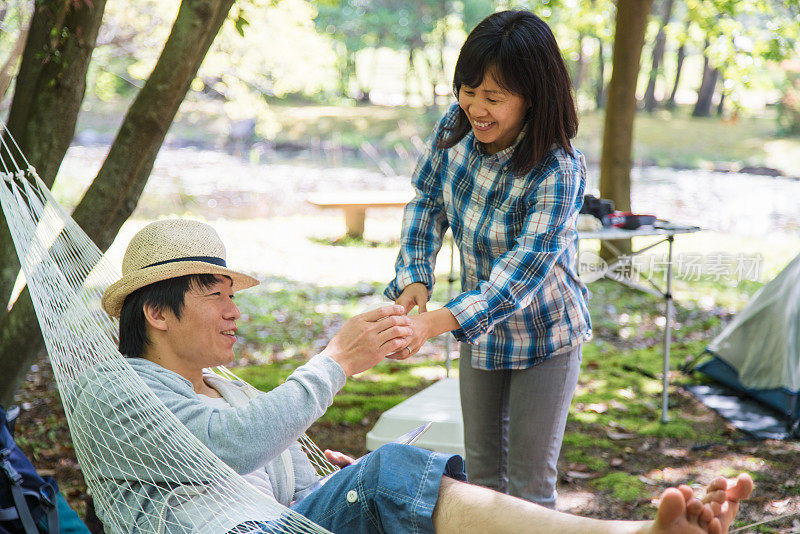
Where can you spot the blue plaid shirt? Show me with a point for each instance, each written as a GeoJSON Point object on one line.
{"type": "Point", "coordinates": [522, 300]}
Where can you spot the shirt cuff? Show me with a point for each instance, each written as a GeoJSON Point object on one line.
{"type": "Point", "coordinates": [405, 277]}
{"type": "Point", "coordinates": [471, 312]}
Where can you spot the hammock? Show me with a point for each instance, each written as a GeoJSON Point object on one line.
{"type": "Point", "coordinates": [125, 439]}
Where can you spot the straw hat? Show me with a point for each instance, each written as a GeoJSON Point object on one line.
{"type": "Point", "coordinates": [168, 249]}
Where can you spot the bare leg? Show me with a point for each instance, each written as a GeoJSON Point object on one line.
{"type": "Point", "coordinates": [466, 508]}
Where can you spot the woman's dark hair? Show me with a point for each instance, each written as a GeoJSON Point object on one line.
{"type": "Point", "coordinates": [522, 53]}
{"type": "Point", "coordinates": [165, 295]}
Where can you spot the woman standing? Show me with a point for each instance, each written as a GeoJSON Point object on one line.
{"type": "Point", "coordinates": [499, 169]}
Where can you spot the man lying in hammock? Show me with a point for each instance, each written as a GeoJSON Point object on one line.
{"type": "Point", "coordinates": [178, 317]}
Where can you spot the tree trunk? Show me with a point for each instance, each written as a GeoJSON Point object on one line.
{"type": "Point", "coordinates": [678, 67]}
{"type": "Point", "coordinates": [434, 74]}
{"type": "Point", "coordinates": [442, 78]}
{"type": "Point", "coordinates": [580, 65]}
{"type": "Point", "coordinates": [615, 163]}
{"type": "Point", "coordinates": [600, 87]}
{"type": "Point", "coordinates": [409, 72]}
{"type": "Point", "coordinates": [721, 105]}
{"type": "Point", "coordinates": [650, 102]}
{"type": "Point", "coordinates": [115, 191]}
{"type": "Point", "coordinates": [705, 93]}
{"type": "Point", "coordinates": [48, 93]}
{"type": "Point", "coordinates": [347, 73]}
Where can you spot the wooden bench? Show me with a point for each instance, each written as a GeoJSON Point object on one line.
{"type": "Point", "coordinates": [355, 205]}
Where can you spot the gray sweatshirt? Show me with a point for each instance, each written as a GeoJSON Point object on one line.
{"type": "Point", "coordinates": [253, 434]}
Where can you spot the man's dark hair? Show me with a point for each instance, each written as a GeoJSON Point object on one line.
{"type": "Point", "coordinates": [522, 51]}
{"type": "Point", "coordinates": [165, 295]}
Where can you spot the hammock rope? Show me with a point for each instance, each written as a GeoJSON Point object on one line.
{"type": "Point", "coordinates": [126, 440]}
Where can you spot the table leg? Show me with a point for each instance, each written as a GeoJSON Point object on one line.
{"type": "Point", "coordinates": [451, 278]}
{"type": "Point", "coordinates": [667, 334]}
{"type": "Point", "coordinates": [354, 220]}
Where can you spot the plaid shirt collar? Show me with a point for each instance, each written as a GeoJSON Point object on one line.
{"type": "Point", "coordinates": [503, 157]}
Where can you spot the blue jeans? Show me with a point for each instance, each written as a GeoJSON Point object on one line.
{"type": "Point", "coordinates": [393, 490]}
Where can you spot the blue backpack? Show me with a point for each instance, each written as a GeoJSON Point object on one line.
{"type": "Point", "coordinates": [29, 504]}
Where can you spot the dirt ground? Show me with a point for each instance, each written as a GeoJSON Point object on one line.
{"type": "Point", "coordinates": [657, 462]}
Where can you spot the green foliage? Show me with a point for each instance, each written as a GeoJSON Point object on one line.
{"type": "Point", "coordinates": [474, 11]}
{"type": "Point", "coordinates": [579, 440]}
{"type": "Point", "coordinates": [240, 22]}
{"type": "Point", "coordinates": [623, 486]}
{"type": "Point", "coordinates": [405, 25]}
{"type": "Point", "coordinates": [247, 62]}
{"type": "Point", "coordinates": [789, 104]}
{"type": "Point", "coordinates": [586, 458]}
{"type": "Point", "coordinates": [350, 47]}
{"type": "Point", "coordinates": [740, 37]}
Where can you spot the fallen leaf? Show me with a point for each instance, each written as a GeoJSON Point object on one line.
{"type": "Point", "coordinates": [619, 435]}
{"type": "Point", "coordinates": [581, 476]}
{"type": "Point", "coordinates": [614, 424]}
{"type": "Point", "coordinates": [597, 407]}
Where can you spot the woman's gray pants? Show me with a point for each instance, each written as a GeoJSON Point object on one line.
{"type": "Point", "coordinates": [514, 423]}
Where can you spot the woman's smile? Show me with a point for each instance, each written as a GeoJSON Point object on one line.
{"type": "Point", "coordinates": [496, 115]}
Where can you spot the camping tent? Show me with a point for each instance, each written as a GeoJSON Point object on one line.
{"type": "Point", "coordinates": [758, 352]}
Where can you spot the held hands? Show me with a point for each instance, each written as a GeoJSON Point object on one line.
{"type": "Point", "coordinates": [425, 324]}
{"type": "Point", "coordinates": [364, 340]}
{"type": "Point", "coordinates": [418, 337]}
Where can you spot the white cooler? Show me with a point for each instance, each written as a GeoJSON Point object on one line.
{"type": "Point", "coordinates": [439, 403]}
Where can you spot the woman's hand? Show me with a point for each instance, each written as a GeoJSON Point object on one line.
{"type": "Point", "coordinates": [415, 294]}
{"type": "Point", "coordinates": [339, 459]}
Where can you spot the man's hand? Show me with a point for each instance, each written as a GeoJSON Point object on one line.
{"type": "Point", "coordinates": [415, 294]}
{"type": "Point", "coordinates": [339, 459]}
{"type": "Point", "coordinates": [366, 339]}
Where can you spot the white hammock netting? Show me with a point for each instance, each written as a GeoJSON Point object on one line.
{"type": "Point", "coordinates": [126, 440]}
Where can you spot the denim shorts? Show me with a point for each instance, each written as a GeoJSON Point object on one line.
{"type": "Point", "coordinates": [392, 490]}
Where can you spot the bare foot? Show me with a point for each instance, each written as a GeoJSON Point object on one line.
{"type": "Point", "coordinates": [723, 495]}
{"type": "Point", "coordinates": [680, 513]}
